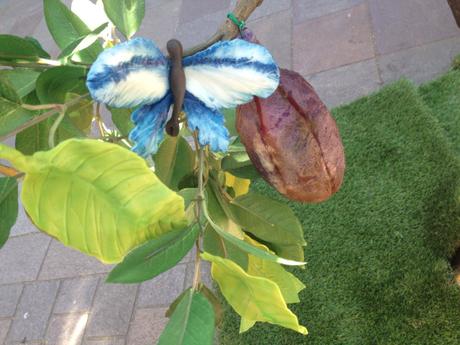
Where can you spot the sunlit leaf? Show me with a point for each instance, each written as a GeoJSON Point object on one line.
{"type": "Point", "coordinates": [13, 47]}
{"type": "Point", "coordinates": [192, 322]}
{"type": "Point", "coordinates": [267, 219]}
{"type": "Point", "coordinates": [173, 161]}
{"type": "Point", "coordinates": [96, 197]}
{"type": "Point", "coordinates": [239, 185]}
{"type": "Point", "coordinates": [254, 298]}
{"type": "Point", "coordinates": [127, 15]}
{"type": "Point", "coordinates": [8, 206]}
{"type": "Point", "coordinates": [154, 257]}
{"type": "Point", "coordinates": [239, 164]}
{"type": "Point", "coordinates": [66, 28]}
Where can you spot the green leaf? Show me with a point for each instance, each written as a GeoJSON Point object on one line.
{"type": "Point", "coordinates": [22, 80]}
{"type": "Point", "coordinates": [239, 164]}
{"type": "Point", "coordinates": [81, 43]}
{"type": "Point", "coordinates": [127, 15]}
{"type": "Point", "coordinates": [173, 161]}
{"type": "Point", "coordinates": [7, 90]}
{"type": "Point", "coordinates": [289, 285]}
{"type": "Point", "coordinates": [289, 251]}
{"type": "Point", "coordinates": [96, 197]}
{"type": "Point", "coordinates": [122, 119]}
{"type": "Point", "coordinates": [254, 298]}
{"type": "Point", "coordinates": [154, 257]}
{"type": "Point", "coordinates": [12, 116]}
{"type": "Point", "coordinates": [14, 47]}
{"type": "Point", "coordinates": [8, 206]}
{"type": "Point", "coordinates": [66, 28]}
{"type": "Point", "coordinates": [188, 194]}
{"type": "Point", "coordinates": [192, 322]}
{"type": "Point", "coordinates": [230, 117]}
{"type": "Point", "coordinates": [42, 52]}
{"type": "Point", "coordinates": [269, 220]}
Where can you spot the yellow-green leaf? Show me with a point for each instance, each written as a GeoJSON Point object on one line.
{"type": "Point", "coordinates": [289, 285]}
{"type": "Point", "coordinates": [254, 298]}
{"type": "Point", "coordinates": [96, 197]}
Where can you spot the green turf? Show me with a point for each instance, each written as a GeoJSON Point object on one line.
{"type": "Point", "coordinates": [443, 97]}
{"type": "Point", "coordinates": [377, 253]}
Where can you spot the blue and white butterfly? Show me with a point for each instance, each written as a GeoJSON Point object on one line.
{"type": "Point", "coordinates": [136, 74]}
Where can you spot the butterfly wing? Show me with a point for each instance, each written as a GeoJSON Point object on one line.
{"type": "Point", "coordinates": [130, 74]}
{"type": "Point", "coordinates": [230, 73]}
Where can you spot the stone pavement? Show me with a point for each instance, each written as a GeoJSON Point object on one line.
{"type": "Point", "coordinates": [50, 294]}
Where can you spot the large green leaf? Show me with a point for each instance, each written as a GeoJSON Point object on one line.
{"type": "Point", "coordinates": [269, 220]}
{"type": "Point", "coordinates": [8, 206]}
{"type": "Point", "coordinates": [22, 80]}
{"type": "Point", "coordinates": [13, 47]}
{"type": "Point", "coordinates": [174, 160]}
{"type": "Point", "coordinates": [53, 84]}
{"type": "Point", "coordinates": [12, 116]}
{"type": "Point", "coordinates": [154, 257]}
{"type": "Point", "coordinates": [96, 197]}
{"type": "Point", "coordinates": [66, 28]}
{"type": "Point", "coordinates": [192, 322]}
{"type": "Point", "coordinates": [127, 15]}
{"type": "Point", "coordinates": [254, 298]}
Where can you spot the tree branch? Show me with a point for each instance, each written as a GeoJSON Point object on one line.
{"type": "Point", "coordinates": [228, 30]}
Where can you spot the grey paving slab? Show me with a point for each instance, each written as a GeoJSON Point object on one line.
{"type": "Point", "coordinates": [268, 8]}
{"type": "Point", "coordinates": [192, 9]}
{"type": "Point", "coordinates": [331, 41]}
{"type": "Point", "coordinates": [420, 64]}
{"type": "Point", "coordinates": [147, 326]}
{"type": "Point", "coordinates": [345, 84]}
{"type": "Point", "coordinates": [308, 9]}
{"type": "Point", "coordinates": [199, 30]}
{"type": "Point", "coordinates": [162, 290]}
{"type": "Point", "coordinates": [33, 312]}
{"type": "Point", "coordinates": [66, 329]}
{"type": "Point", "coordinates": [275, 33]}
{"type": "Point", "coordinates": [112, 310]}
{"type": "Point", "coordinates": [105, 341]}
{"type": "Point", "coordinates": [21, 257]}
{"type": "Point", "coordinates": [9, 298]}
{"type": "Point", "coordinates": [76, 295]}
{"type": "Point", "coordinates": [10, 20]}
{"type": "Point", "coordinates": [64, 262]}
{"type": "Point", "coordinates": [4, 326]}
{"type": "Point", "coordinates": [158, 26]}
{"type": "Point", "coordinates": [405, 24]}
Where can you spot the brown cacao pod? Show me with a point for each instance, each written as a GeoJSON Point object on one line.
{"type": "Point", "coordinates": [293, 141]}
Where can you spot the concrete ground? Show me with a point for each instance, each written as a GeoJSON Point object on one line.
{"type": "Point", "coordinates": [50, 294]}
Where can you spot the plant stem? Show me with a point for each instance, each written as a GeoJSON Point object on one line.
{"type": "Point", "coordinates": [42, 117]}
{"type": "Point", "coordinates": [54, 128]}
{"type": "Point", "coordinates": [9, 171]}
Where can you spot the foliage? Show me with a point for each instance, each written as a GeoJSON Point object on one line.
{"type": "Point", "coordinates": [378, 270]}
{"type": "Point", "coordinates": [97, 196]}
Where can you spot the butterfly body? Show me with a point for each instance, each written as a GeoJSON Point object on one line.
{"type": "Point", "coordinates": [136, 74]}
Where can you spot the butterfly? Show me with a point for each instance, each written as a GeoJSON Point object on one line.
{"type": "Point", "coordinates": [136, 74]}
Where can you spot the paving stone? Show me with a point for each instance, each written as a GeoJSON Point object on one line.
{"type": "Point", "coordinates": [76, 295]}
{"type": "Point", "coordinates": [268, 8]}
{"type": "Point", "coordinates": [420, 64]}
{"type": "Point", "coordinates": [192, 9]}
{"type": "Point", "coordinates": [14, 13]}
{"type": "Point", "coordinates": [33, 311]}
{"type": "Point", "coordinates": [160, 21]}
{"type": "Point", "coordinates": [162, 290]}
{"type": "Point", "coordinates": [344, 84]}
{"type": "Point", "coordinates": [147, 326]}
{"type": "Point", "coordinates": [66, 329]}
{"type": "Point", "coordinates": [65, 262]}
{"type": "Point", "coordinates": [21, 258]}
{"type": "Point", "coordinates": [4, 326]}
{"type": "Point", "coordinates": [105, 341]}
{"type": "Point", "coordinates": [112, 310]}
{"type": "Point", "coordinates": [275, 33]}
{"type": "Point", "coordinates": [331, 41]}
{"type": "Point", "coordinates": [9, 298]}
{"type": "Point", "coordinates": [199, 30]}
{"type": "Point", "coordinates": [308, 9]}
{"type": "Point", "coordinates": [405, 24]}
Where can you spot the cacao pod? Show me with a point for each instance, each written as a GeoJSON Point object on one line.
{"type": "Point", "coordinates": [293, 141]}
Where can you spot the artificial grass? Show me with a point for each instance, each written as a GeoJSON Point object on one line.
{"type": "Point", "coordinates": [377, 253]}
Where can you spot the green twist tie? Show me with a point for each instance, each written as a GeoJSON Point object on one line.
{"type": "Point", "coordinates": [239, 23]}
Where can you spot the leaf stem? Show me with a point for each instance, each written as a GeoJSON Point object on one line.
{"type": "Point", "coordinates": [54, 127]}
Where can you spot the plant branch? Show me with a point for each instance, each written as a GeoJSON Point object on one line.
{"type": "Point", "coordinates": [54, 127]}
{"type": "Point", "coordinates": [228, 30]}
{"type": "Point", "coordinates": [42, 117]}
{"type": "Point", "coordinates": [8, 171]}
